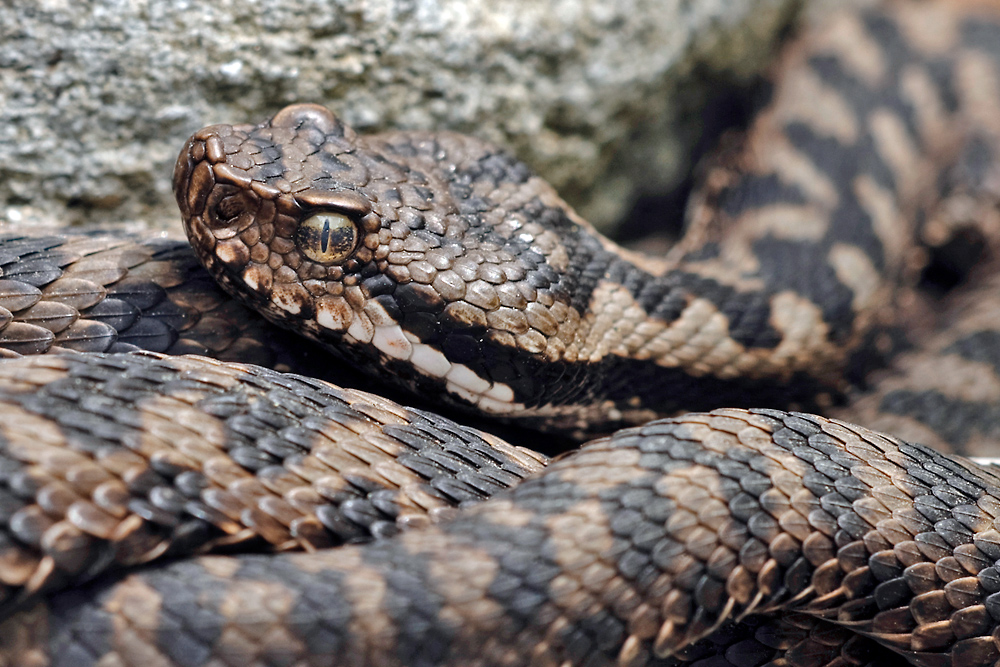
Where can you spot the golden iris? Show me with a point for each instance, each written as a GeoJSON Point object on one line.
{"type": "Point", "coordinates": [327, 238]}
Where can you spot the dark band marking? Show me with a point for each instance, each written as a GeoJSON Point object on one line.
{"type": "Point", "coordinates": [982, 346]}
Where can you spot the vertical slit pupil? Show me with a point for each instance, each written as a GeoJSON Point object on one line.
{"type": "Point", "coordinates": [325, 237]}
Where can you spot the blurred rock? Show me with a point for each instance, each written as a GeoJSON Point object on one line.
{"type": "Point", "coordinates": [96, 97]}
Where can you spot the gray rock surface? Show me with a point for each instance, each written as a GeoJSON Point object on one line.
{"type": "Point", "coordinates": [96, 96]}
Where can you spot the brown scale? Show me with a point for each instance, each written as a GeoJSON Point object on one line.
{"type": "Point", "coordinates": [188, 457]}
{"type": "Point", "coordinates": [101, 293]}
{"type": "Point", "coordinates": [944, 393]}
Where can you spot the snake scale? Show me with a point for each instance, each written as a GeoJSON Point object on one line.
{"type": "Point", "coordinates": [218, 510]}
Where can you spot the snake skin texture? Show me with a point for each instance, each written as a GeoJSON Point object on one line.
{"type": "Point", "coordinates": [185, 511]}
{"type": "Point", "coordinates": [108, 293]}
{"type": "Point", "coordinates": [628, 552]}
{"type": "Point", "coordinates": [946, 392]}
{"type": "Point", "coordinates": [115, 460]}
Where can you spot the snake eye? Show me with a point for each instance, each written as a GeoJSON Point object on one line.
{"type": "Point", "coordinates": [327, 237]}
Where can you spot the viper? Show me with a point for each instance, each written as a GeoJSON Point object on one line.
{"type": "Point", "coordinates": [184, 510]}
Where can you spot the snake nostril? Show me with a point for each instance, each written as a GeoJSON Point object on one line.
{"type": "Point", "coordinates": [232, 208]}
{"type": "Point", "coordinates": [229, 208]}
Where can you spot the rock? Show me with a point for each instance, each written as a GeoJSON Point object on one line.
{"type": "Point", "coordinates": [97, 97]}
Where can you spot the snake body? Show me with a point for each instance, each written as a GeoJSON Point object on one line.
{"type": "Point", "coordinates": [635, 546]}
{"type": "Point", "coordinates": [742, 536]}
{"type": "Point", "coordinates": [100, 292]}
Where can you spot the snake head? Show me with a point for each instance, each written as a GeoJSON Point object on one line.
{"type": "Point", "coordinates": [266, 216]}
{"type": "Point", "coordinates": [419, 253]}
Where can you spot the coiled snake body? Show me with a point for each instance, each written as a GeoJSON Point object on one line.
{"type": "Point", "coordinates": [742, 536]}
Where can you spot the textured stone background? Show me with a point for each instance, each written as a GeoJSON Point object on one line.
{"type": "Point", "coordinates": [97, 96]}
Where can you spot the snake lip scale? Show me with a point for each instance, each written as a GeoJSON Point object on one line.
{"type": "Point", "coordinates": [185, 510]}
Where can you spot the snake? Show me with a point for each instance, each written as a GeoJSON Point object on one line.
{"type": "Point", "coordinates": [177, 489]}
